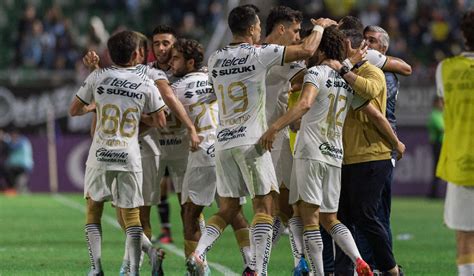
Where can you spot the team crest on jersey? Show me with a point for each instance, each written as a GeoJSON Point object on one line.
{"type": "Point", "coordinates": [107, 81]}
{"type": "Point", "coordinates": [190, 85]}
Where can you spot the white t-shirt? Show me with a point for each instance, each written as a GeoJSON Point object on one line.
{"type": "Point", "coordinates": [148, 140]}
{"type": "Point", "coordinates": [199, 100]}
{"type": "Point", "coordinates": [237, 73]}
{"type": "Point", "coordinates": [376, 58]}
{"type": "Point", "coordinates": [121, 96]}
{"type": "Point", "coordinates": [320, 135]}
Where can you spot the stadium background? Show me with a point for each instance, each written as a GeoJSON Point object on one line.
{"type": "Point", "coordinates": [43, 42]}
{"type": "Point", "coordinates": [40, 70]}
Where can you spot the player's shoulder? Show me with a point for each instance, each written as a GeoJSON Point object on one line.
{"type": "Point", "coordinates": [318, 70]}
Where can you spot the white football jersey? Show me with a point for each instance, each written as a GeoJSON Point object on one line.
{"type": "Point", "coordinates": [199, 100]}
{"type": "Point", "coordinates": [149, 139]}
{"type": "Point", "coordinates": [237, 73]}
{"type": "Point", "coordinates": [320, 135]}
{"type": "Point", "coordinates": [121, 96]}
{"type": "Point", "coordinates": [278, 85]}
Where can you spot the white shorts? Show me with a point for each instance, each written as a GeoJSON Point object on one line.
{"type": "Point", "coordinates": [123, 188]}
{"type": "Point", "coordinates": [245, 170]}
{"type": "Point", "coordinates": [282, 159]}
{"type": "Point", "coordinates": [151, 180]}
{"type": "Point", "coordinates": [199, 185]}
{"type": "Point", "coordinates": [459, 207]}
{"type": "Point", "coordinates": [176, 168]}
{"type": "Point", "coordinates": [317, 183]}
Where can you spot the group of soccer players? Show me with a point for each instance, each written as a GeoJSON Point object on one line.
{"type": "Point", "coordinates": [224, 129]}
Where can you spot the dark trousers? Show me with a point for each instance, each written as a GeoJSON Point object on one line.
{"type": "Point", "coordinates": [436, 182]}
{"type": "Point", "coordinates": [362, 186]}
{"type": "Point", "coordinates": [383, 213]}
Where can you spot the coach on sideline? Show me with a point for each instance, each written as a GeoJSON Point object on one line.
{"type": "Point", "coordinates": [367, 163]}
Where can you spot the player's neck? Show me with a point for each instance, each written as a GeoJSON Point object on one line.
{"type": "Point", "coordinates": [273, 39]}
{"type": "Point", "coordinates": [163, 66]}
{"type": "Point", "coordinates": [237, 39]}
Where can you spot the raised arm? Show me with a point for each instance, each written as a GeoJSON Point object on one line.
{"type": "Point", "coordinates": [310, 43]}
{"type": "Point", "coordinates": [397, 65]}
{"type": "Point", "coordinates": [308, 95]}
{"type": "Point", "coordinates": [178, 109]}
{"type": "Point", "coordinates": [381, 123]}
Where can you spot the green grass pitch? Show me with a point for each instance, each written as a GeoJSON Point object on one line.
{"type": "Point", "coordinates": [43, 235]}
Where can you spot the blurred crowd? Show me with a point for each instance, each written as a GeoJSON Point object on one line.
{"type": "Point", "coordinates": [421, 31]}
{"type": "Point", "coordinates": [16, 162]}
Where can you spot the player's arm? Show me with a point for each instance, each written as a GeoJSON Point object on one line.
{"type": "Point", "coordinates": [78, 107]}
{"type": "Point", "coordinates": [310, 43]}
{"type": "Point", "coordinates": [382, 125]}
{"type": "Point", "coordinates": [368, 87]}
{"type": "Point", "coordinates": [308, 95]}
{"type": "Point", "coordinates": [178, 109]}
{"type": "Point", "coordinates": [397, 65]}
{"type": "Point", "coordinates": [156, 119]}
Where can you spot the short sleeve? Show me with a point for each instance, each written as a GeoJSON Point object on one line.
{"type": "Point", "coordinates": [156, 74]}
{"type": "Point", "coordinates": [271, 54]}
{"type": "Point", "coordinates": [439, 80]}
{"type": "Point", "coordinates": [154, 103]}
{"type": "Point", "coordinates": [358, 102]}
{"type": "Point", "coordinates": [295, 68]}
{"type": "Point", "coordinates": [314, 77]}
{"type": "Point", "coordinates": [86, 92]}
{"type": "Point", "coordinates": [376, 58]}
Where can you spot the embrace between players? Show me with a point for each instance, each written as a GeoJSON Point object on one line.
{"type": "Point", "coordinates": [224, 128]}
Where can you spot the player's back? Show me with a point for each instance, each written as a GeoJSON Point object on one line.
{"type": "Point", "coordinates": [320, 135]}
{"type": "Point", "coordinates": [237, 73]}
{"type": "Point", "coordinates": [199, 100]}
{"type": "Point", "coordinates": [121, 95]}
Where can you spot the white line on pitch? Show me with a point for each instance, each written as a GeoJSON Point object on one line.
{"type": "Point", "coordinates": [112, 221]}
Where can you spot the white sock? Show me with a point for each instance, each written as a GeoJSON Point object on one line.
{"type": "Point", "coordinates": [246, 256]}
{"type": "Point", "coordinates": [278, 229]}
{"type": "Point", "coordinates": [313, 246]}
{"type": "Point", "coordinates": [343, 237]}
{"type": "Point", "coordinates": [207, 240]}
{"type": "Point", "coordinates": [133, 243]}
{"type": "Point", "coordinates": [252, 248]}
{"type": "Point", "coordinates": [262, 236]}
{"type": "Point", "coordinates": [146, 244]}
{"type": "Point", "coordinates": [94, 243]}
{"type": "Point", "coordinates": [466, 269]}
{"type": "Point", "coordinates": [296, 238]}
{"type": "Point", "coordinates": [202, 228]}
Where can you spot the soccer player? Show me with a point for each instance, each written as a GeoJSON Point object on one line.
{"type": "Point", "coordinates": [283, 28]}
{"type": "Point", "coordinates": [315, 181]}
{"type": "Point", "coordinates": [237, 73]}
{"type": "Point", "coordinates": [455, 83]}
{"type": "Point", "coordinates": [113, 170]}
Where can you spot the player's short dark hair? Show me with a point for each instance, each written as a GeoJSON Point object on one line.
{"type": "Point", "coordinates": [467, 28]}
{"type": "Point", "coordinates": [332, 44]}
{"type": "Point", "coordinates": [354, 36]}
{"type": "Point", "coordinates": [191, 49]}
{"type": "Point", "coordinates": [351, 23]}
{"type": "Point", "coordinates": [122, 45]}
{"type": "Point", "coordinates": [282, 14]}
{"type": "Point", "coordinates": [241, 18]}
{"type": "Point", "coordinates": [164, 29]}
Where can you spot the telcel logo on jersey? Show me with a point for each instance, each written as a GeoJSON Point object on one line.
{"type": "Point", "coordinates": [105, 155]}
{"type": "Point", "coordinates": [229, 134]}
{"type": "Point", "coordinates": [229, 62]}
{"type": "Point", "coordinates": [332, 151]}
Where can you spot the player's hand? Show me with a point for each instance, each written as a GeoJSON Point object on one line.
{"type": "Point", "coordinates": [91, 60]}
{"type": "Point", "coordinates": [323, 22]}
{"type": "Point", "coordinates": [91, 107]}
{"type": "Point", "coordinates": [357, 55]}
{"type": "Point", "coordinates": [268, 138]}
{"type": "Point", "coordinates": [295, 126]}
{"type": "Point", "coordinates": [400, 149]}
{"type": "Point", "coordinates": [194, 140]}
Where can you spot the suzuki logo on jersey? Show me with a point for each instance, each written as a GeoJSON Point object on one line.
{"type": "Point", "coordinates": [238, 70]}
{"type": "Point", "coordinates": [100, 90]}
{"type": "Point", "coordinates": [125, 84]}
{"type": "Point", "coordinates": [188, 94]}
{"type": "Point", "coordinates": [120, 92]}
